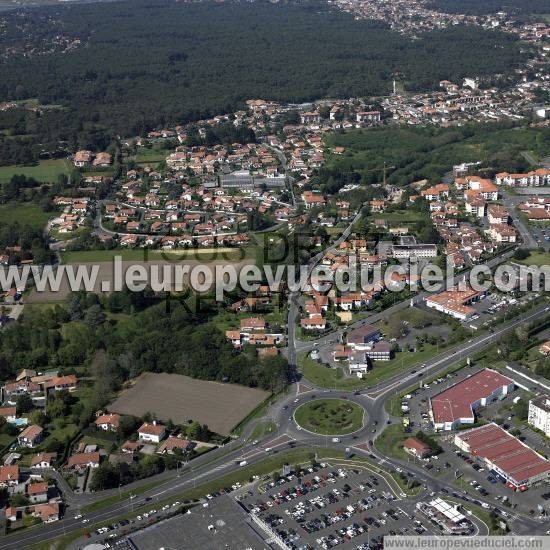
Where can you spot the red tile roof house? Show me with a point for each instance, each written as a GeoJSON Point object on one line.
{"type": "Point", "coordinates": [172, 443]}
{"type": "Point", "coordinates": [9, 475]}
{"type": "Point", "coordinates": [545, 348]}
{"type": "Point", "coordinates": [13, 514]}
{"type": "Point", "coordinates": [252, 323]}
{"type": "Point", "coordinates": [416, 447]}
{"type": "Point", "coordinates": [37, 492]}
{"type": "Point", "coordinates": [81, 461]}
{"type": "Point", "coordinates": [315, 322]}
{"type": "Point", "coordinates": [108, 422]}
{"type": "Point", "coordinates": [46, 512]}
{"type": "Point", "coordinates": [131, 446]}
{"type": "Point", "coordinates": [456, 405]}
{"type": "Point", "coordinates": [9, 413]}
{"type": "Point", "coordinates": [153, 433]}
{"type": "Point", "coordinates": [60, 383]}
{"type": "Point", "coordinates": [43, 460]}
{"type": "Point", "coordinates": [30, 436]}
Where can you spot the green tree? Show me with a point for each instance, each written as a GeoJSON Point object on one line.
{"type": "Point", "coordinates": [24, 404]}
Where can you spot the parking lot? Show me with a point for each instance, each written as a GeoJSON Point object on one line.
{"type": "Point", "coordinates": [325, 507]}
{"type": "Point", "coordinates": [461, 470]}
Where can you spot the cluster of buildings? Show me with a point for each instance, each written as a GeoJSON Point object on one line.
{"type": "Point", "coordinates": [468, 101]}
{"type": "Point", "coordinates": [73, 216]}
{"type": "Point", "coordinates": [254, 159]}
{"type": "Point", "coordinates": [150, 438]}
{"type": "Point", "coordinates": [534, 178]}
{"type": "Point", "coordinates": [43, 500]}
{"type": "Point", "coordinates": [86, 158]}
{"type": "Point", "coordinates": [254, 331]}
{"type": "Point", "coordinates": [477, 197]}
{"type": "Point", "coordinates": [363, 345]}
{"type": "Point", "coordinates": [37, 386]}
{"type": "Point", "coordinates": [536, 208]}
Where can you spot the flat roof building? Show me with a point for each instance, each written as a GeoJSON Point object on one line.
{"type": "Point", "coordinates": [456, 405]}
{"type": "Point", "coordinates": [507, 457]}
{"type": "Point", "coordinates": [539, 413]}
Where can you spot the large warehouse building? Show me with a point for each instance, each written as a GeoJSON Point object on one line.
{"type": "Point", "coordinates": [456, 405]}
{"type": "Point", "coordinates": [504, 455]}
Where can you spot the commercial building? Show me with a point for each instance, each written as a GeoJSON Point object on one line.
{"type": "Point", "coordinates": [455, 302]}
{"type": "Point", "coordinates": [539, 413]}
{"type": "Point", "coordinates": [505, 456]}
{"type": "Point", "coordinates": [456, 405]}
{"type": "Point", "coordinates": [446, 515]}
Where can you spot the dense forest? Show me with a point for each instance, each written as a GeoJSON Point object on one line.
{"type": "Point", "coordinates": [413, 154]}
{"type": "Point", "coordinates": [137, 332]}
{"type": "Point", "coordinates": [145, 63]}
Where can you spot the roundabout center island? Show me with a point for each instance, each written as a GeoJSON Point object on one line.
{"type": "Point", "coordinates": [330, 416]}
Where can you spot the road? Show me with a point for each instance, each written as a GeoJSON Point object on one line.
{"type": "Point", "coordinates": [511, 201]}
{"type": "Point", "coordinates": [225, 459]}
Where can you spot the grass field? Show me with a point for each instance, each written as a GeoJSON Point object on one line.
{"type": "Point", "coordinates": [330, 416]}
{"type": "Point", "coordinates": [46, 171]}
{"type": "Point", "coordinates": [145, 155]}
{"type": "Point", "coordinates": [325, 376]}
{"type": "Point", "coordinates": [402, 216]}
{"type": "Point", "coordinates": [536, 258]}
{"type": "Point", "coordinates": [180, 398]}
{"type": "Point", "coordinates": [30, 214]}
{"type": "Point", "coordinates": [390, 442]}
{"type": "Point", "coordinates": [143, 255]}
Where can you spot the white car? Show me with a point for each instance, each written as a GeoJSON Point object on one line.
{"type": "Point", "coordinates": [85, 520]}
{"type": "Point", "coordinates": [78, 516]}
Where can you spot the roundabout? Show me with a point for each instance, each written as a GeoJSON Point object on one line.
{"type": "Point", "coordinates": [330, 417]}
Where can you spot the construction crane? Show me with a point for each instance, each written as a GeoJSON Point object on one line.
{"type": "Point", "coordinates": [384, 169]}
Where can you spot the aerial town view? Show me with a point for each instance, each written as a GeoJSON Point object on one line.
{"type": "Point", "coordinates": [274, 274]}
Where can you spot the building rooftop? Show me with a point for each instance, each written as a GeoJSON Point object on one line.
{"type": "Point", "coordinates": [518, 461]}
{"type": "Point", "coordinates": [542, 402]}
{"type": "Point", "coordinates": [456, 402]}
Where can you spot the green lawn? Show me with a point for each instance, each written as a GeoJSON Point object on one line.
{"type": "Point", "coordinates": [262, 429]}
{"type": "Point", "coordinates": [326, 377]}
{"type": "Point", "coordinates": [60, 432]}
{"type": "Point", "coordinates": [45, 171]}
{"type": "Point", "coordinates": [24, 213]}
{"type": "Point", "coordinates": [401, 216]}
{"type": "Point", "coordinates": [6, 440]}
{"type": "Point", "coordinates": [145, 155]}
{"type": "Point", "coordinates": [536, 258]}
{"type": "Point", "coordinates": [55, 234]}
{"type": "Point", "coordinates": [390, 441]}
{"type": "Point", "coordinates": [330, 416]}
